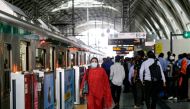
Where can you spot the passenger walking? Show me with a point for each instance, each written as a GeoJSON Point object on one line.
{"type": "Point", "coordinates": [107, 64]}
{"type": "Point", "coordinates": [151, 85]}
{"type": "Point", "coordinates": [137, 83]}
{"type": "Point", "coordinates": [162, 61]}
{"type": "Point", "coordinates": [117, 75]}
{"type": "Point", "coordinates": [131, 81]}
{"type": "Point", "coordinates": [99, 93]}
{"type": "Point", "coordinates": [183, 79]}
{"type": "Point", "coordinates": [170, 78]}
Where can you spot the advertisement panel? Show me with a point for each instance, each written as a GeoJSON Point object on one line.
{"type": "Point", "coordinates": [69, 88]}
{"type": "Point", "coordinates": [28, 89]}
{"type": "Point", "coordinates": [35, 91]}
{"type": "Point", "coordinates": [49, 91]}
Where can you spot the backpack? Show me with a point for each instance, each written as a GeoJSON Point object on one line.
{"type": "Point", "coordinates": [155, 71]}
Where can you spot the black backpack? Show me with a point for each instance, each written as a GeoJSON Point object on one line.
{"type": "Point", "coordinates": [155, 71]}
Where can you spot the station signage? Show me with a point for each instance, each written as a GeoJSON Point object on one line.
{"type": "Point", "coordinates": [124, 41]}
{"type": "Point", "coordinates": [123, 48]}
{"type": "Point", "coordinates": [122, 52]}
{"type": "Point", "coordinates": [130, 35]}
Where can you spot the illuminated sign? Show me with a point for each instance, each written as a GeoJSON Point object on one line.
{"type": "Point", "coordinates": [124, 41]}
{"type": "Point", "coordinates": [124, 48]}
{"type": "Point", "coordinates": [122, 52]}
{"type": "Point", "coordinates": [131, 35]}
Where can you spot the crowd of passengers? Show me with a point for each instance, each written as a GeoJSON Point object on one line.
{"type": "Point", "coordinates": [175, 84]}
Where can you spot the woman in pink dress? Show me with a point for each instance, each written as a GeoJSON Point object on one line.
{"type": "Point", "coordinates": [99, 94]}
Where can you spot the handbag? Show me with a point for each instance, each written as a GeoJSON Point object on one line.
{"type": "Point", "coordinates": [85, 89]}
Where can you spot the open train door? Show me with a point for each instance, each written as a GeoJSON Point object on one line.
{"type": "Point", "coordinates": [5, 57]}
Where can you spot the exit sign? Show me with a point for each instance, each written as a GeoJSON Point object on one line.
{"type": "Point", "coordinates": [186, 34]}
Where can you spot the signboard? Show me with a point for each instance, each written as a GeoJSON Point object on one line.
{"type": "Point", "coordinates": [49, 91]}
{"type": "Point", "coordinates": [131, 35]}
{"type": "Point", "coordinates": [149, 43]}
{"type": "Point", "coordinates": [124, 41]}
{"type": "Point", "coordinates": [158, 48]}
{"type": "Point", "coordinates": [122, 52]}
{"type": "Point", "coordinates": [69, 88]}
{"type": "Point", "coordinates": [123, 48]}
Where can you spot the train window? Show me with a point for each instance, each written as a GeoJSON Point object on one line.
{"type": "Point", "coordinates": [61, 59]}
{"type": "Point", "coordinates": [73, 59]}
{"type": "Point", "coordinates": [7, 53]}
{"type": "Point", "coordinates": [24, 65]}
{"type": "Point", "coordinates": [40, 58]}
{"type": "Point", "coordinates": [77, 59]}
{"type": "Point", "coordinates": [52, 58]}
{"type": "Point", "coordinates": [68, 59]}
{"type": "Point", "coordinates": [84, 58]}
{"type": "Point", "coordinates": [81, 59]}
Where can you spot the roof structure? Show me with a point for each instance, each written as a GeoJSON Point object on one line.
{"type": "Point", "coordinates": [157, 17]}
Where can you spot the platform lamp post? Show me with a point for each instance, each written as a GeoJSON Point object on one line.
{"type": "Point", "coordinates": [185, 34]}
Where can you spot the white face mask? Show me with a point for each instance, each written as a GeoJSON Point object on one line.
{"type": "Point", "coordinates": [94, 65]}
{"type": "Point", "coordinates": [171, 57]}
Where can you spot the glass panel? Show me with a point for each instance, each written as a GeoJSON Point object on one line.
{"type": "Point", "coordinates": [73, 59]}
{"type": "Point", "coordinates": [23, 56]}
{"type": "Point", "coordinates": [40, 58]}
{"type": "Point", "coordinates": [83, 4]}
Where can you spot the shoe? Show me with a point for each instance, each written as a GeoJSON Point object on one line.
{"type": "Point", "coordinates": [136, 107]}
{"type": "Point", "coordinates": [116, 107]}
{"type": "Point", "coordinates": [170, 98]}
{"type": "Point", "coordinates": [175, 98]}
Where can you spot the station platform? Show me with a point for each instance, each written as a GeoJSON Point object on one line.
{"type": "Point", "coordinates": [126, 102]}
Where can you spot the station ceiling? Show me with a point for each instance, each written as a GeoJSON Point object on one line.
{"type": "Point", "coordinates": [157, 17]}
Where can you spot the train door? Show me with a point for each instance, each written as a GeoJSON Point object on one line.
{"type": "Point", "coordinates": [24, 56]}
{"type": "Point", "coordinates": [5, 50]}
{"type": "Point", "coordinates": [52, 58]}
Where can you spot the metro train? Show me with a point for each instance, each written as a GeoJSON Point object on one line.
{"type": "Point", "coordinates": [25, 46]}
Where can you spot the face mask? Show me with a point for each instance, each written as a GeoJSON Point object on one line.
{"type": "Point", "coordinates": [94, 65]}
{"type": "Point", "coordinates": [171, 57]}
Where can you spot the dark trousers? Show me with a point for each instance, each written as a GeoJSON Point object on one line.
{"type": "Point", "coordinates": [183, 89]}
{"type": "Point", "coordinates": [139, 92]}
{"type": "Point", "coordinates": [116, 92]}
{"type": "Point", "coordinates": [151, 90]}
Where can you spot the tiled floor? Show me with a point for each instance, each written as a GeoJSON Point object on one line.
{"type": "Point", "coordinates": [126, 102]}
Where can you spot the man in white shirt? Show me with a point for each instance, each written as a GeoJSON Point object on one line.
{"type": "Point", "coordinates": [117, 75]}
{"type": "Point", "coordinates": [151, 88]}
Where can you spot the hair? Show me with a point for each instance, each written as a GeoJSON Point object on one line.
{"type": "Point", "coordinates": [96, 60]}
{"type": "Point", "coordinates": [161, 55]}
{"type": "Point", "coordinates": [117, 58]}
{"type": "Point", "coordinates": [184, 55]}
{"type": "Point", "coordinates": [150, 54]}
{"type": "Point", "coordinates": [141, 53]}
{"type": "Point", "coordinates": [169, 53]}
